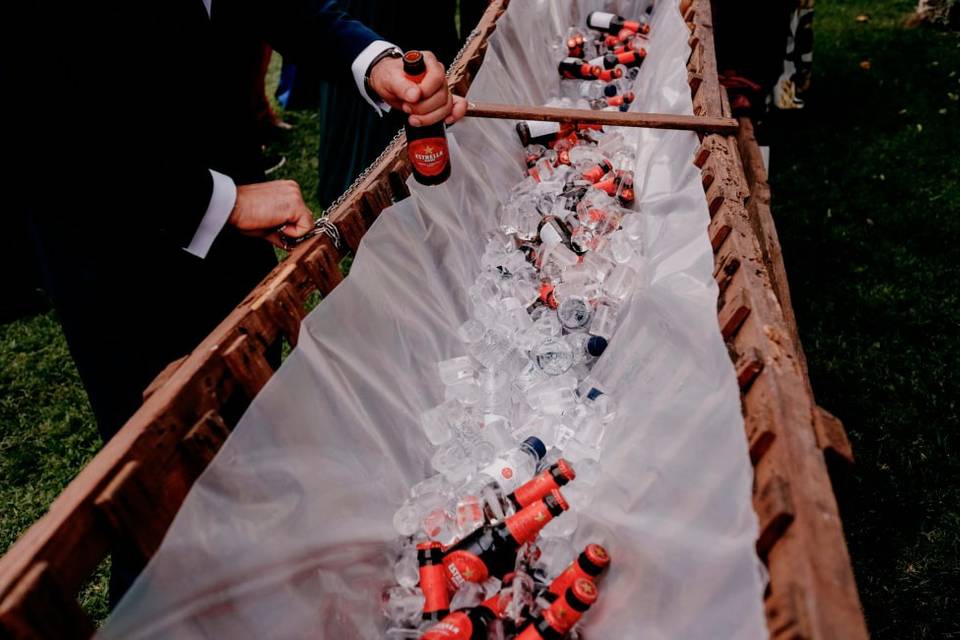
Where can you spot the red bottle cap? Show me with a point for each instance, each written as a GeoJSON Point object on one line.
{"type": "Point", "coordinates": [583, 592]}
{"type": "Point", "coordinates": [566, 469]}
{"type": "Point", "coordinates": [597, 556]}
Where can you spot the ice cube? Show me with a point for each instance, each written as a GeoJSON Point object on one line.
{"type": "Point", "coordinates": [435, 425]}
{"type": "Point", "coordinates": [402, 605]}
{"type": "Point", "coordinates": [406, 520]}
{"type": "Point", "coordinates": [563, 526]}
{"type": "Point", "coordinates": [456, 370]}
{"type": "Point", "coordinates": [469, 515]}
{"type": "Point", "coordinates": [406, 571]}
{"type": "Point", "coordinates": [471, 331]}
{"type": "Point", "coordinates": [467, 392]}
{"type": "Point", "coordinates": [556, 554]}
{"type": "Point", "coordinates": [620, 282]}
{"type": "Point", "coordinates": [469, 595]}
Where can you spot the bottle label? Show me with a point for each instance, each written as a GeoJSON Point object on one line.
{"type": "Point", "coordinates": [429, 156]}
{"type": "Point", "coordinates": [536, 489]}
{"type": "Point", "coordinates": [456, 626]}
{"type": "Point", "coordinates": [538, 128]}
{"type": "Point", "coordinates": [433, 582]}
{"type": "Point", "coordinates": [526, 524]}
{"type": "Point", "coordinates": [601, 20]}
{"type": "Point", "coordinates": [501, 471]}
{"type": "Point", "coordinates": [463, 566]}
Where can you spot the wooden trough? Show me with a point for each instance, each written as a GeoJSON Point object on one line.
{"type": "Point", "coordinates": [125, 499]}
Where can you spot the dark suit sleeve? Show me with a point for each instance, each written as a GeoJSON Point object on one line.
{"type": "Point", "coordinates": [317, 31]}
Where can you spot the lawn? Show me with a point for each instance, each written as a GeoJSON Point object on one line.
{"type": "Point", "coordinates": [866, 188]}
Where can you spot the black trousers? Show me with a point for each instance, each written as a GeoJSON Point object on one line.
{"type": "Point", "coordinates": [129, 309]}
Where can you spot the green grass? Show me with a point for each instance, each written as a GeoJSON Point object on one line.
{"type": "Point", "coordinates": [867, 197]}
{"type": "Point", "coordinates": [866, 187]}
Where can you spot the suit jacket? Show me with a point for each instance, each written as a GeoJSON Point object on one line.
{"type": "Point", "coordinates": [128, 105]}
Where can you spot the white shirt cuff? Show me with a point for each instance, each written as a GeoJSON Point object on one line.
{"type": "Point", "coordinates": [360, 66]}
{"type": "Point", "coordinates": [222, 200]}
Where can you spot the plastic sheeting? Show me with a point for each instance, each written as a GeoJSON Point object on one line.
{"type": "Point", "coordinates": [288, 533]}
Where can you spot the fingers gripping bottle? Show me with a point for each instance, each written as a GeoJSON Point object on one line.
{"type": "Point", "coordinates": [555, 623]}
{"type": "Point", "coordinates": [426, 146]}
{"type": "Point", "coordinates": [491, 550]}
{"type": "Point", "coordinates": [468, 624]}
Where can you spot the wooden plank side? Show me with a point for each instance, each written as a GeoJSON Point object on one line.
{"type": "Point", "coordinates": [801, 535]}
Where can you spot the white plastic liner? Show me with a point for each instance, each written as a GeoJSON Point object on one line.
{"type": "Point", "coordinates": [288, 532]}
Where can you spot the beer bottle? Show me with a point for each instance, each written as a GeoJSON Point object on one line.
{"type": "Point", "coordinates": [576, 68]}
{"type": "Point", "coordinates": [426, 146]}
{"type": "Point", "coordinates": [468, 624]}
{"type": "Point", "coordinates": [433, 581]}
{"type": "Point", "coordinates": [597, 171]}
{"type": "Point", "coordinates": [556, 622]}
{"type": "Point", "coordinates": [614, 24]}
{"type": "Point", "coordinates": [491, 550]}
{"type": "Point", "coordinates": [537, 132]}
{"type": "Point", "coordinates": [591, 562]}
{"type": "Point", "coordinates": [555, 476]}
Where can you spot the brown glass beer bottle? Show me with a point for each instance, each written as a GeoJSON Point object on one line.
{"type": "Point", "coordinates": [491, 550]}
{"type": "Point", "coordinates": [468, 624]}
{"type": "Point", "coordinates": [426, 146]}
{"type": "Point", "coordinates": [433, 581]}
{"type": "Point", "coordinates": [591, 562]}
{"type": "Point", "coordinates": [555, 623]}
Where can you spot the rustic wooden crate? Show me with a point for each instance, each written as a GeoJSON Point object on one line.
{"type": "Point", "coordinates": [125, 499]}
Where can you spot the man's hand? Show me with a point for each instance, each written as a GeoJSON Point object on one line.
{"type": "Point", "coordinates": [428, 102]}
{"type": "Point", "coordinates": [263, 208]}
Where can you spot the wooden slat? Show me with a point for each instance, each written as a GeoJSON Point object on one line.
{"type": "Point", "coordinates": [202, 442]}
{"type": "Point", "coordinates": [704, 124]}
{"type": "Point", "coordinates": [131, 511]}
{"type": "Point", "coordinates": [800, 532]}
{"type": "Point", "coordinates": [37, 607]}
{"type": "Point", "coordinates": [706, 99]}
{"type": "Point", "coordinates": [831, 436]}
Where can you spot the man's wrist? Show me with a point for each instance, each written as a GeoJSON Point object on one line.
{"type": "Point", "coordinates": [392, 52]}
{"type": "Point", "coordinates": [363, 65]}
